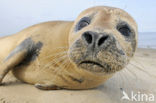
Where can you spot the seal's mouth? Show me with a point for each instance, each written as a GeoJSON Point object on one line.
{"type": "Point", "coordinates": [92, 62]}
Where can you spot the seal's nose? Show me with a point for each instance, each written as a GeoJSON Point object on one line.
{"type": "Point", "coordinates": [94, 39]}
{"type": "Point", "coordinates": [88, 37]}
{"type": "Point", "coordinates": [102, 40]}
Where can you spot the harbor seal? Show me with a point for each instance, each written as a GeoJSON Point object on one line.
{"type": "Point", "coordinates": [78, 54]}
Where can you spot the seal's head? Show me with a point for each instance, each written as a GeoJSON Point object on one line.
{"type": "Point", "coordinates": [102, 39]}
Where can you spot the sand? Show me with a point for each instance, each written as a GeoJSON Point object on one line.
{"type": "Point", "coordinates": [138, 77]}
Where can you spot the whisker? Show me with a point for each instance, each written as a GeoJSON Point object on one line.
{"type": "Point", "coordinates": [121, 81]}
{"type": "Point", "coordinates": [59, 53]}
{"type": "Point", "coordinates": [131, 72]}
{"type": "Point", "coordinates": [143, 70]}
{"type": "Point", "coordinates": [125, 79]}
{"type": "Point", "coordinates": [60, 70]}
{"type": "Point", "coordinates": [59, 48]}
{"type": "Point", "coordinates": [55, 61]}
{"type": "Point", "coordinates": [54, 54]}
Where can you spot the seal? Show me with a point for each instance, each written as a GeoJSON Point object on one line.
{"type": "Point", "coordinates": [78, 54]}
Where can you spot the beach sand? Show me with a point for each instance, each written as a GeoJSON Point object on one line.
{"type": "Point", "coordinates": [138, 77]}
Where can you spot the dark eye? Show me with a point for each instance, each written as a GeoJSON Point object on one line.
{"type": "Point", "coordinates": [124, 30]}
{"type": "Point", "coordinates": [83, 23]}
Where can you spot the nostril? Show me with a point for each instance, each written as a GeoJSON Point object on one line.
{"type": "Point", "coordinates": [102, 40]}
{"type": "Point", "coordinates": [88, 37]}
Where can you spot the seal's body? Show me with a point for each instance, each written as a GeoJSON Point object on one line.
{"type": "Point", "coordinates": [73, 55]}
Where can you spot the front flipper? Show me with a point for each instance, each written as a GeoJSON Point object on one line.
{"type": "Point", "coordinates": [24, 53]}
{"type": "Point", "coordinates": [7, 65]}
{"type": "Point", "coordinates": [47, 87]}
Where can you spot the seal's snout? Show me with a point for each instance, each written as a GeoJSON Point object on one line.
{"type": "Point", "coordinates": [94, 40]}
{"type": "Point", "coordinates": [98, 52]}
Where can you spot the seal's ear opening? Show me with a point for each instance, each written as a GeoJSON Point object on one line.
{"type": "Point", "coordinates": [85, 21]}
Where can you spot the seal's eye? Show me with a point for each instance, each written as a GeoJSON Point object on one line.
{"type": "Point", "coordinates": [83, 23]}
{"type": "Point", "coordinates": [124, 29]}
